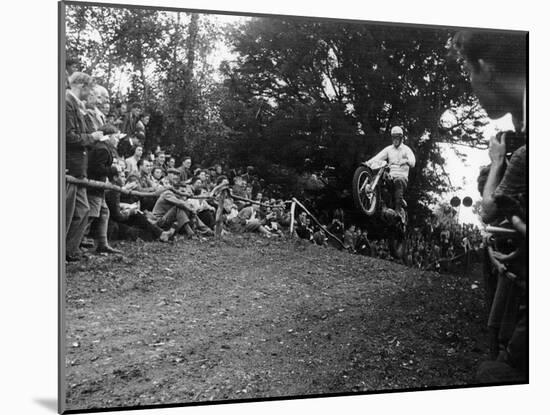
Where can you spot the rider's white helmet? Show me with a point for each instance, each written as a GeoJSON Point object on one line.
{"type": "Point", "coordinates": [397, 130]}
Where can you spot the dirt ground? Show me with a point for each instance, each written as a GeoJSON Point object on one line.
{"type": "Point", "coordinates": [250, 318]}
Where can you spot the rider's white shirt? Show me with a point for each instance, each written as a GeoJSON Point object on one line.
{"type": "Point", "coordinates": [396, 156]}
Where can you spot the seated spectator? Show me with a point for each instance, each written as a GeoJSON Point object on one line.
{"type": "Point", "coordinates": [349, 242]}
{"type": "Point", "coordinates": [302, 227]}
{"type": "Point", "coordinates": [157, 174]}
{"type": "Point", "coordinates": [239, 189]}
{"type": "Point", "coordinates": [185, 169]}
{"type": "Point", "coordinates": [160, 160]}
{"type": "Point", "coordinates": [246, 221]}
{"type": "Point", "coordinates": [170, 211]}
{"type": "Point", "coordinates": [127, 221]}
{"type": "Point", "coordinates": [170, 163]}
{"type": "Point", "coordinates": [132, 161]}
{"type": "Point", "coordinates": [363, 246]}
{"type": "Point", "coordinates": [320, 238]}
{"type": "Point", "coordinates": [147, 184]}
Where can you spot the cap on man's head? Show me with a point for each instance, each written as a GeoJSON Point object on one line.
{"type": "Point", "coordinates": [396, 130]}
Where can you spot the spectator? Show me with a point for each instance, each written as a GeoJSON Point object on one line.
{"type": "Point", "coordinates": [160, 160]}
{"type": "Point", "coordinates": [132, 162]}
{"type": "Point", "coordinates": [71, 66]}
{"type": "Point", "coordinates": [127, 221]}
{"type": "Point", "coordinates": [100, 168]}
{"type": "Point", "coordinates": [246, 220]}
{"type": "Point", "coordinates": [131, 119]}
{"type": "Point", "coordinates": [146, 182]}
{"type": "Point", "coordinates": [320, 238]}
{"type": "Point", "coordinates": [171, 163]}
{"type": "Point", "coordinates": [185, 169]}
{"type": "Point", "coordinates": [302, 227]}
{"type": "Point", "coordinates": [79, 138]}
{"type": "Point", "coordinates": [157, 175]}
{"type": "Point", "coordinates": [363, 244]}
{"type": "Point", "coordinates": [102, 106]}
{"type": "Point", "coordinates": [141, 127]}
{"type": "Point", "coordinates": [204, 211]}
{"type": "Point", "coordinates": [171, 212]}
{"type": "Point", "coordinates": [497, 66]}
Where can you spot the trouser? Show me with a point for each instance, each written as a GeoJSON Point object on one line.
{"type": "Point", "coordinates": [175, 217]}
{"type": "Point", "coordinates": [99, 221]}
{"type": "Point", "coordinates": [399, 187]}
{"type": "Point", "coordinates": [208, 218]}
{"type": "Point", "coordinates": [139, 220]}
{"type": "Point", "coordinates": [137, 226]}
{"type": "Point", "coordinates": [77, 209]}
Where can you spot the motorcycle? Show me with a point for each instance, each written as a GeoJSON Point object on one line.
{"type": "Point", "coordinates": [373, 195]}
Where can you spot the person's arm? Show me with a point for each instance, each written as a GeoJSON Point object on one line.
{"type": "Point", "coordinates": [171, 198]}
{"type": "Point", "coordinates": [112, 198]}
{"type": "Point", "coordinates": [383, 155]}
{"type": "Point", "coordinates": [411, 159]}
{"type": "Point", "coordinates": [100, 163]}
{"type": "Point", "coordinates": [497, 152]}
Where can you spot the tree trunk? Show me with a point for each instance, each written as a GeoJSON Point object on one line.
{"type": "Point", "coordinates": [187, 89]}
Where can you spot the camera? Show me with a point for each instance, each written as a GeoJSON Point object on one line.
{"type": "Point", "coordinates": [514, 141]}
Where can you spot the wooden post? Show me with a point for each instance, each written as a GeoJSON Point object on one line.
{"type": "Point", "coordinates": [219, 215]}
{"type": "Point", "coordinates": [292, 209]}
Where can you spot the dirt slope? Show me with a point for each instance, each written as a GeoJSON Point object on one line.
{"type": "Point", "coordinates": [250, 318]}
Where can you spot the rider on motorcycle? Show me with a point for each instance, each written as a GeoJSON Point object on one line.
{"type": "Point", "coordinates": [399, 158]}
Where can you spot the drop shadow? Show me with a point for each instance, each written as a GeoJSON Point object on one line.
{"type": "Point", "coordinates": [47, 403]}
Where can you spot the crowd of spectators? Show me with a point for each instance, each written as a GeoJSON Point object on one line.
{"type": "Point", "coordinates": [432, 246]}
{"type": "Point", "coordinates": [170, 197]}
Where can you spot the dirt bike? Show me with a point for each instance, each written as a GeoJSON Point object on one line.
{"type": "Point", "coordinates": [373, 195]}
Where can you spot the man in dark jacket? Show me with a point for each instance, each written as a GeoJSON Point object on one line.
{"type": "Point", "coordinates": [100, 168]}
{"type": "Point", "coordinates": [78, 140]}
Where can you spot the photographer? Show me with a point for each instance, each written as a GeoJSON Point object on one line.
{"type": "Point", "coordinates": [496, 63]}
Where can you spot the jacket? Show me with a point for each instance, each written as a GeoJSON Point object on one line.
{"type": "Point", "coordinates": [78, 138]}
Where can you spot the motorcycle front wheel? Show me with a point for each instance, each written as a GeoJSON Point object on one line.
{"type": "Point", "coordinates": [365, 199]}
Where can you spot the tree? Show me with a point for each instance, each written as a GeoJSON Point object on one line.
{"type": "Point", "coordinates": [330, 92]}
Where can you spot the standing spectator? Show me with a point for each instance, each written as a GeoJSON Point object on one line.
{"type": "Point", "coordinates": [71, 66]}
{"type": "Point", "coordinates": [100, 168]}
{"type": "Point", "coordinates": [78, 140]}
{"type": "Point", "coordinates": [141, 125]}
{"type": "Point", "coordinates": [131, 119]}
{"type": "Point", "coordinates": [497, 65]}
{"type": "Point", "coordinates": [132, 162]}
{"type": "Point", "coordinates": [102, 106]}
